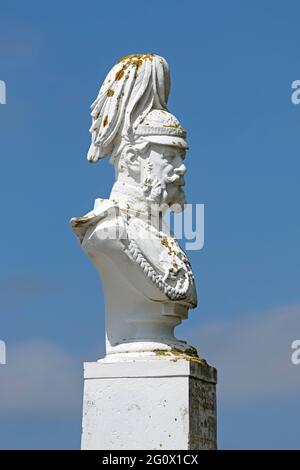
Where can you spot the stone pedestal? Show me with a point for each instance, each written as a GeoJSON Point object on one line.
{"type": "Point", "coordinates": [162, 403]}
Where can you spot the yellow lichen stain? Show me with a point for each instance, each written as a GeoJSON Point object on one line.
{"type": "Point", "coordinates": [188, 355]}
{"type": "Point", "coordinates": [137, 63]}
{"type": "Point", "coordinates": [119, 74]}
{"type": "Point", "coordinates": [135, 60]}
{"type": "Point", "coordinates": [77, 221]}
{"type": "Point", "coordinates": [105, 121]}
{"type": "Point", "coordinates": [164, 241]}
{"type": "Point", "coordinates": [110, 92]}
{"type": "Point", "coordinates": [129, 57]}
{"type": "Point", "coordinates": [174, 126]}
{"type": "Point", "coordinates": [147, 182]}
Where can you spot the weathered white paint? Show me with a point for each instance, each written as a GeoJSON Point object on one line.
{"type": "Point", "coordinates": [150, 391]}
{"type": "Point", "coordinates": [154, 405]}
{"type": "Point", "coordinates": [148, 281]}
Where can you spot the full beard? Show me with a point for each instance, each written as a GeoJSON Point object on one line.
{"type": "Point", "coordinates": [176, 200]}
{"type": "Point", "coordinates": [163, 194]}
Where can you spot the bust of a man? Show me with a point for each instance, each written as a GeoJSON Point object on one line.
{"type": "Point", "coordinates": [148, 281]}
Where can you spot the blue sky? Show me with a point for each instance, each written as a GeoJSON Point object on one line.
{"type": "Point", "coordinates": [232, 64]}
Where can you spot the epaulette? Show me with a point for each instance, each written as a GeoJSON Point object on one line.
{"type": "Point", "coordinates": [102, 208]}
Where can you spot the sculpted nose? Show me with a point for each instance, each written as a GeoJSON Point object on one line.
{"type": "Point", "coordinates": [180, 170]}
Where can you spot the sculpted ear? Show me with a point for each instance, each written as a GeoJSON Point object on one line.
{"type": "Point", "coordinates": [130, 155]}
{"type": "Point", "coordinates": [132, 160]}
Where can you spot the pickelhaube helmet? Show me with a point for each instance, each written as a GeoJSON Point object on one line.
{"type": "Point", "coordinates": [132, 104]}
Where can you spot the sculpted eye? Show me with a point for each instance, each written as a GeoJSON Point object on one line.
{"type": "Point", "coordinates": [169, 156]}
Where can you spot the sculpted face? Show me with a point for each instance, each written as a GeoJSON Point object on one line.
{"type": "Point", "coordinates": [152, 173]}
{"type": "Point", "coordinates": [162, 175]}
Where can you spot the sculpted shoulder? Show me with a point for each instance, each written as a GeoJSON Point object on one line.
{"type": "Point", "coordinates": [102, 209]}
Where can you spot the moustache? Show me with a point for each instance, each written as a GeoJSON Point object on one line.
{"type": "Point", "coordinates": [175, 179]}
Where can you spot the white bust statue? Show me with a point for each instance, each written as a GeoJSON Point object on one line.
{"type": "Point", "coordinates": [148, 281]}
